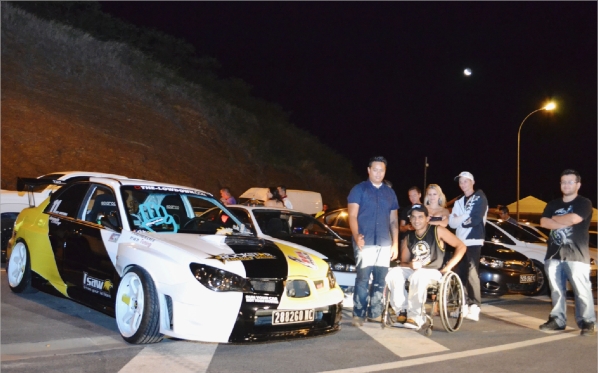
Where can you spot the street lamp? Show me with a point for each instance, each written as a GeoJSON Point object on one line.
{"type": "Point", "coordinates": [549, 106]}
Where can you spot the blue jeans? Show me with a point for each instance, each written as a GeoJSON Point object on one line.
{"type": "Point", "coordinates": [578, 274]}
{"type": "Point", "coordinates": [370, 261]}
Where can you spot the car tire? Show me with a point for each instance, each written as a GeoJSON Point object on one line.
{"type": "Point", "coordinates": [137, 308]}
{"type": "Point", "coordinates": [542, 280]}
{"type": "Point", "coordinates": [7, 225]}
{"type": "Point", "coordinates": [18, 269]}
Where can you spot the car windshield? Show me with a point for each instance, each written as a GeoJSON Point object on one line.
{"type": "Point", "coordinates": [531, 230]}
{"type": "Point", "coordinates": [278, 223]}
{"type": "Point", "coordinates": [172, 210]}
{"type": "Point", "coordinates": [519, 233]}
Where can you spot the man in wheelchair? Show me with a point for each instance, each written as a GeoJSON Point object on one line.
{"type": "Point", "coordinates": [421, 263]}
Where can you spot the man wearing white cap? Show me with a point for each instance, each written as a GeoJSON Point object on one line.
{"type": "Point", "coordinates": [468, 218]}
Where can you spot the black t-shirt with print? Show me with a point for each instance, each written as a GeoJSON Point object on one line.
{"type": "Point", "coordinates": [570, 243]}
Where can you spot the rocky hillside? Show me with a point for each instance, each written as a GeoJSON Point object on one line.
{"type": "Point", "coordinates": [71, 102]}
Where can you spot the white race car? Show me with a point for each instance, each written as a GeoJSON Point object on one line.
{"type": "Point", "coordinates": [135, 249]}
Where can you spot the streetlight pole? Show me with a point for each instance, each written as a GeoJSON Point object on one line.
{"type": "Point", "coordinates": [425, 172]}
{"type": "Point", "coordinates": [550, 106]}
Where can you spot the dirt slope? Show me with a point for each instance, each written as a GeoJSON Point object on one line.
{"type": "Point", "coordinates": [53, 121]}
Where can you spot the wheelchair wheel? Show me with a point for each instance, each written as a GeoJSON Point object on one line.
{"type": "Point", "coordinates": [451, 301]}
{"type": "Point", "coordinates": [428, 331]}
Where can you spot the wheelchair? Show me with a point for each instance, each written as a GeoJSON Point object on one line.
{"type": "Point", "coordinates": [446, 296]}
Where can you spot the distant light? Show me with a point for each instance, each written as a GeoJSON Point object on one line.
{"type": "Point", "coordinates": [467, 72]}
{"type": "Point", "coordinates": [550, 106]}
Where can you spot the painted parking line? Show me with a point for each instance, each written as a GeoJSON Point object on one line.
{"type": "Point", "coordinates": [516, 318]}
{"type": "Point", "coordinates": [454, 355]}
{"type": "Point", "coordinates": [20, 351]}
{"type": "Point", "coordinates": [402, 342]}
{"type": "Point", "coordinates": [179, 357]}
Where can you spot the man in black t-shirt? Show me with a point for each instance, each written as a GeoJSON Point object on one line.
{"type": "Point", "coordinates": [568, 255]}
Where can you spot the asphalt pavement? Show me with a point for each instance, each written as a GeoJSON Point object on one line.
{"type": "Point", "coordinates": [44, 333]}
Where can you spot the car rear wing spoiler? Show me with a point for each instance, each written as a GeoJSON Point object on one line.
{"type": "Point", "coordinates": [27, 184]}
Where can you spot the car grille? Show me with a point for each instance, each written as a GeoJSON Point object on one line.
{"type": "Point", "coordinates": [266, 285]}
{"type": "Point", "coordinates": [519, 265]}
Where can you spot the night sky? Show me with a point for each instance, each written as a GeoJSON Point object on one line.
{"type": "Point", "coordinates": [386, 78]}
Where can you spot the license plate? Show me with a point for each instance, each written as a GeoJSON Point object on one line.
{"type": "Point", "coordinates": [525, 279]}
{"type": "Point", "coordinates": [292, 317]}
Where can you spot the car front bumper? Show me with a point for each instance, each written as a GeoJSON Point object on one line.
{"type": "Point", "coordinates": [498, 282]}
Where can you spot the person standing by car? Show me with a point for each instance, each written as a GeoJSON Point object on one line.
{"type": "Point", "coordinates": [568, 255]}
{"type": "Point", "coordinates": [503, 214]}
{"type": "Point", "coordinates": [373, 219]}
{"type": "Point", "coordinates": [468, 218]}
{"type": "Point", "coordinates": [415, 195]}
{"type": "Point", "coordinates": [282, 190]}
{"type": "Point", "coordinates": [273, 198]}
{"type": "Point", "coordinates": [226, 198]}
{"type": "Point", "coordinates": [435, 202]}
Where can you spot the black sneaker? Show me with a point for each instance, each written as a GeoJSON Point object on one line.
{"type": "Point", "coordinates": [551, 324]}
{"type": "Point", "coordinates": [587, 329]}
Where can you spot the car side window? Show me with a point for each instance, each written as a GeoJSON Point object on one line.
{"type": "Point", "coordinates": [101, 203]}
{"type": "Point", "coordinates": [67, 200]}
{"type": "Point", "coordinates": [496, 235]}
{"type": "Point", "coordinates": [331, 218]}
{"type": "Point", "coordinates": [304, 225]}
{"type": "Point", "coordinates": [519, 233]}
{"type": "Point", "coordinates": [343, 221]}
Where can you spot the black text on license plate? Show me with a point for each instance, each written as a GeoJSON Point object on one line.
{"type": "Point", "coordinates": [525, 279]}
{"type": "Point", "coordinates": [291, 317]}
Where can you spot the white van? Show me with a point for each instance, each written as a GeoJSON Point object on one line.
{"type": "Point", "coordinates": [303, 201]}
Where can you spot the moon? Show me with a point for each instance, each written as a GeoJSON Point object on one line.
{"type": "Point", "coordinates": [467, 72]}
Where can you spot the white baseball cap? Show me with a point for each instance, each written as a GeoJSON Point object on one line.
{"type": "Point", "coordinates": [465, 174]}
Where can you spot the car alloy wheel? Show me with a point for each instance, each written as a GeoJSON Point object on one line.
{"type": "Point", "coordinates": [137, 308]}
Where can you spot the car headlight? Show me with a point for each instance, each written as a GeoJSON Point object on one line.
{"type": "Point", "coordinates": [217, 279]}
{"type": "Point", "coordinates": [331, 278]}
{"type": "Point", "coordinates": [342, 267]}
{"type": "Point", "coordinates": [491, 262]}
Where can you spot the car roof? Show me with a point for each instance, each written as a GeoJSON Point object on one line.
{"type": "Point", "coordinates": [267, 208]}
{"type": "Point", "coordinates": [70, 174]}
{"type": "Point", "coordinates": [133, 182]}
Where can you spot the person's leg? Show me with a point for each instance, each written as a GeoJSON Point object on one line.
{"type": "Point", "coordinates": [380, 270]}
{"type": "Point", "coordinates": [473, 278]}
{"type": "Point", "coordinates": [395, 279]}
{"type": "Point", "coordinates": [557, 281]}
{"type": "Point", "coordinates": [578, 274]}
{"type": "Point", "coordinates": [364, 266]}
{"type": "Point", "coordinates": [418, 292]}
{"type": "Point", "coordinates": [462, 268]}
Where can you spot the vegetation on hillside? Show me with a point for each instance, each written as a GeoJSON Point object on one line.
{"type": "Point", "coordinates": [95, 55]}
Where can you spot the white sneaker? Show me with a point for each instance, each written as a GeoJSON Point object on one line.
{"type": "Point", "coordinates": [464, 311]}
{"type": "Point", "coordinates": [474, 313]}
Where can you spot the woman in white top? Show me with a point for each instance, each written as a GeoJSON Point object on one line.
{"type": "Point", "coordinates": [274, 199]}
{"type": "Point", "coordinates": [435, 201]}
